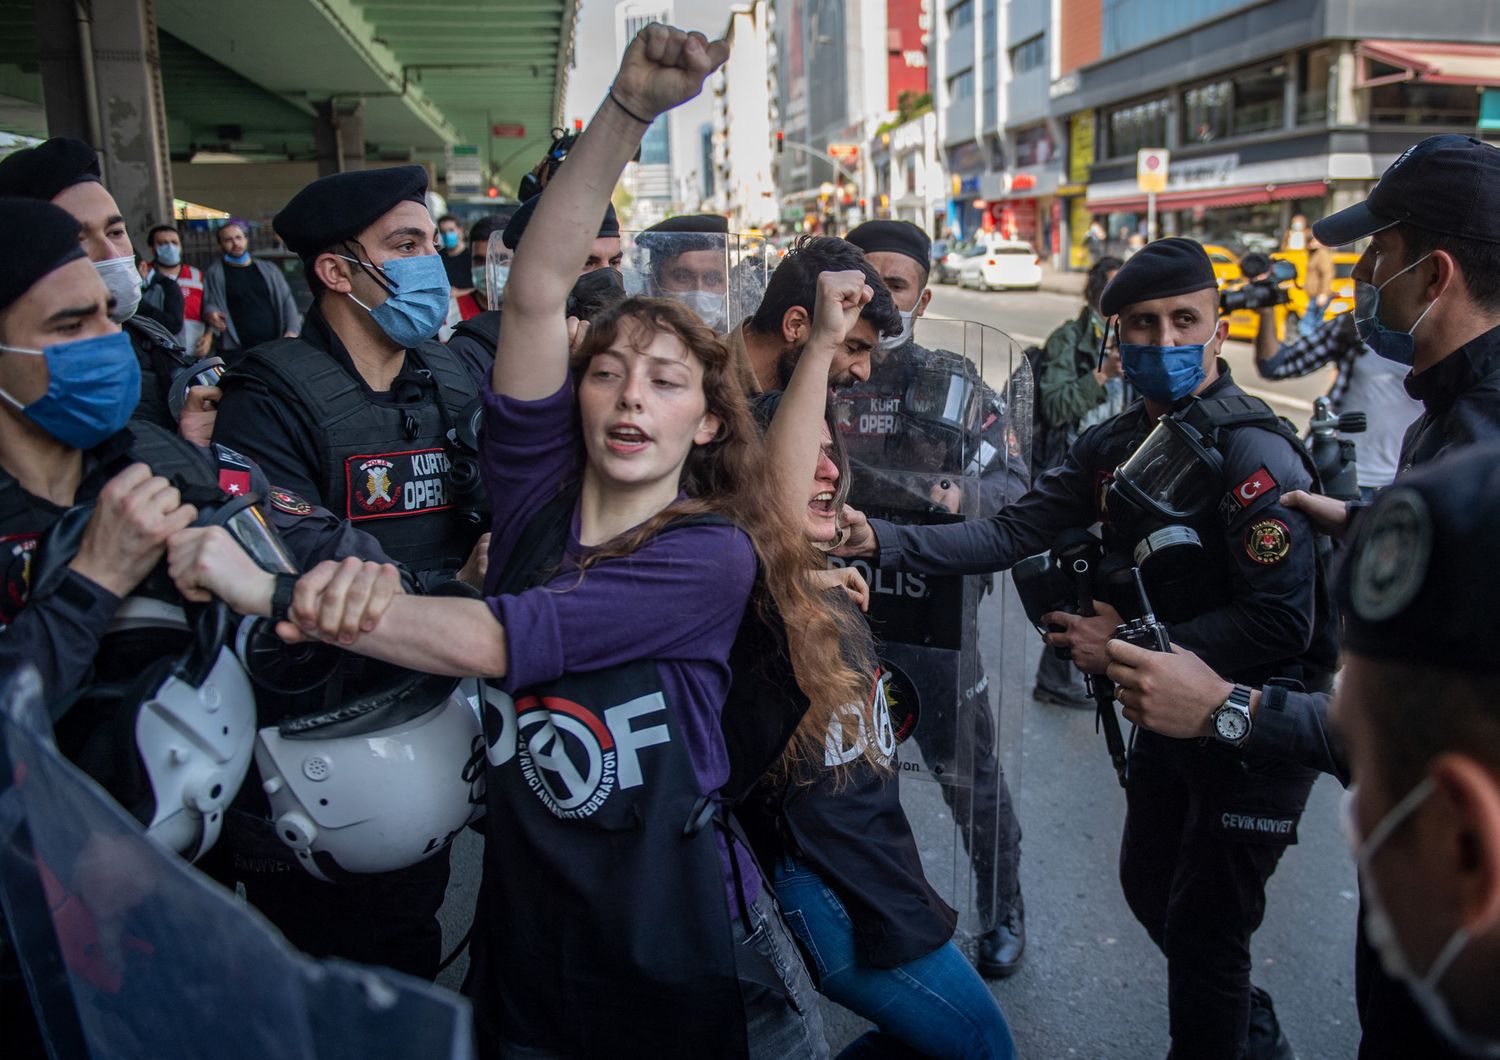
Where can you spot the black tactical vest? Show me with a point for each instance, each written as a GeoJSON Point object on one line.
{"type": "Point", "coordinates": [603, 927]}
{"type": "Point", "coordinates": [385, 467]}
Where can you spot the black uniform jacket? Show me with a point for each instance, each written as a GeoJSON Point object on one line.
{"type": "Point", "coordinates": [1461, 394]}
{"type": "Point", "coordinates": [56, 626]}
{"type": "Point", "coordinates": [1275, 591]}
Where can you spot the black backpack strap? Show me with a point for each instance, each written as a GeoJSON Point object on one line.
{"type": "Point", "coordinates": [1213, 415]}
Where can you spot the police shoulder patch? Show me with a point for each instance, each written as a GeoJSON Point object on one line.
{"type": "Point", "coordinates": [1268, 541]}
{"type": "Point", "coordinates": [289, 502]}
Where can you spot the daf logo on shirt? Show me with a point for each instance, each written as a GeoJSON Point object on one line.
{"type": "Point", "coordinates": [572, 758]}
{"type": "Point", "coordinates": [390, 484]}
{"type": "Point", "coordinates": [848, 733]}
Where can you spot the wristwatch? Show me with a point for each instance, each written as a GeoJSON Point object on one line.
{"type": "Point", "coordinates": [1232, 720]}
{"type": "Point", "coordinates": [281, 596]}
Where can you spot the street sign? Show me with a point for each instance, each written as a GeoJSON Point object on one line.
{"type": "Point", "coordinates": [507, 131]}
{"type": "Point", "coordinates": [846, 154]}
{"type": "Point", "coordinates": [1151, 169]}
{"type": "Point", "coordinates": [465, 169]}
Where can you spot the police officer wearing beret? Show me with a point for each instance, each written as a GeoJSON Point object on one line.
{"type": "Point", "coordinates": [355, 414]}
{"type": "Point", "coordinates": [364, 414]}
{"type": "Point", "coordinates": [1435, 212]}
{"type": "Point", "coordinates": [473, 341]}
{"type": "Point", "coordinates": [177, 390]}
{"type": "Point", "coordinates": [1416, 706]}
{"type": "Point", "coordinates": [902, 254]}
{"type": "Point", "coordinates": [688, 262]}
{"type": "Point", "coordinates": [1234, 574]}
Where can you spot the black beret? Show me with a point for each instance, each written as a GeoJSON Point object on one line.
{"type": "Point", "coordinates": [1163, 269]}
{"type": "Point", "coordinates": [43, 237]}
{"type": "Point", "coordinates": [1419, 581]}
{"type": "Point", "coordinates": [609, 228]}
{"type": "Point", "coordinates": [712, 223]}
{"type": "Point", "coordinates": [893, 237]}
{"type": "Point", "coordinates": [342, 205]}
{"type": "Point", "coordinates": [42, 171]}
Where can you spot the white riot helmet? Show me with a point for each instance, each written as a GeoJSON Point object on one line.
{"type": "Point", "coordinates": [378, 783]}
{"type": "Point", "coordinates": [168, 724]}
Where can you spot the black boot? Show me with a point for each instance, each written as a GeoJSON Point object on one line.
{"type": "Point", "coordinates": [1000, 948]}
{"type": "Point", "coordinates": [1266, 1040]}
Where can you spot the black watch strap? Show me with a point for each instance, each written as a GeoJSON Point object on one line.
{"type": "Point", "coordinates": [281, 596]}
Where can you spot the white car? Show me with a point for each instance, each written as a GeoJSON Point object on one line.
{"type": "Point", "coordinates": [1001, 265]}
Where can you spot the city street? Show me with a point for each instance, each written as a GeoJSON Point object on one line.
{"type": "Point", "coordinates": [1029, 316]}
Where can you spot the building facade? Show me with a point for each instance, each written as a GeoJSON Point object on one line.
{"type": "Point", "coordinates": [650, 181]}
{"type": "Point", "coordinates": [1269, 109]}
{"type": "Point", "coordinates": [744, 108]}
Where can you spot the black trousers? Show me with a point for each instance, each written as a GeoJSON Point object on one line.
{"type": "Point", "coordinates": [1204, 830]}
{"type": "Point", "coordinates": [388, 918]}
{"type": "Point", "coordinates": [984, 811]}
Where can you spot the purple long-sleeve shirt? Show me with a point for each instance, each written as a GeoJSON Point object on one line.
{"type": "Point", "coordinates": [677, 600]}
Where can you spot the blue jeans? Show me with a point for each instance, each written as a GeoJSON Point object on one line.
{"type": "Point", "coordinates": [933, 1006]}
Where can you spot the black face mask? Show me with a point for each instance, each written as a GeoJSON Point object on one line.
{"type": "Point", "coordinates": [595, 292]}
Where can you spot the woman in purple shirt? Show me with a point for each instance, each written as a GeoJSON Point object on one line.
{"type": "Point", "coordinates": [636, 512]}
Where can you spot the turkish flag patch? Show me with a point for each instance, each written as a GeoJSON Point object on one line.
{"type": "Point", "coordinates": [235, 483]}
{"type": "Point", "coordinates": [1258, 484]}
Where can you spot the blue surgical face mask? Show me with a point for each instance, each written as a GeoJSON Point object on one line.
{"type": "Point", "coordinates": [418, 301]}
{"type": "Point", "coordinates": [168, 254]}
{"type": "Point", "coordinates": [1163, 374]}
{"type": "Point", "coordinates": [1381, 930]}
{"type": "Point", "coordinates": [93, 385]}
{"type": "Point", "coordinates": [1398, 346]}
{"type": "Point", "coordinates": [238, 259]}
{"type": "Point", "coordinates": [450, 240]}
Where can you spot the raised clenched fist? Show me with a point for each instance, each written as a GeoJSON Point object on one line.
{"type": "Point", "coordinates": [665, 67]}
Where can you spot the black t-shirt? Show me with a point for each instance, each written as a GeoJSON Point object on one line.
{"type": "Point", "coordinates": [459, 265]}
{"type": "Point", "coordinates": [249, 300]}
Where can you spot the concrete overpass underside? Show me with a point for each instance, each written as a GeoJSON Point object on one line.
{"type": "Point", "coordinates": [255, 99]}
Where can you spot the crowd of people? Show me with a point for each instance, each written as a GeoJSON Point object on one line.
{"type": "Point", "coordinates": [634, 524]}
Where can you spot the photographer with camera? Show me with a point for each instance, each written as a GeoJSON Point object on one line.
{"type": "Point", "coordinates": [1232, 572]}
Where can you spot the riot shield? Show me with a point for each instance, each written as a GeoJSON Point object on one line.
{"type": "Point", "coordinates": [940, 433]}
{"type": "Point", "coordinates": [127, 951]}
{"type": "Point", "coordinates": [496, 270]}
{"type": "Point", "coordinates": [688, 267]}
{"type": "Point", "coordinates": [751, 262]}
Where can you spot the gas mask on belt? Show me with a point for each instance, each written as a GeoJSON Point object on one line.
{"type": "Point", "coordinates": [1154, 498]}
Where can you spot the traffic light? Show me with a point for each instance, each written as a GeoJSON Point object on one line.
{"type": "Point", "coordinates": [493, 192]}
{"type": "Point", "coordinates": [578, 125]}
{"type": "Point", "coordinates": [780, 142]}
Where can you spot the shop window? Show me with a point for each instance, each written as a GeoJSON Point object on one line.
{"type": "Point", "coordinates": [1314, 75]}
{"type": "Point", "coordinates": [1028, 55]}
{"type": "Point", "coordinates": [1034, 146]}
{"type": "Point", "coordinates": [1136, 126]}
{"type": "Point", "coordinates": [1206, 112]}
{"type": "Point", "coordinates": [1250, 101]}
{"type": "Point", "coordinates": [1259, 99]}
{"type": "Point", "coordinates": [1416, 103]}
{"type": "Point", "coordinates": [962, 86]}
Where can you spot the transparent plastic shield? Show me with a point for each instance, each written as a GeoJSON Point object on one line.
{"type": "Point", "coordinates": [688, 267]}
{"type": "Point", "coordinates": [751, 262]}
{"type": "Point", "coordinates": [129, 952]}
{"type": "Point", "coordinates": [940, 434]}
{"type": "Point", "coordinates": [496, 271]}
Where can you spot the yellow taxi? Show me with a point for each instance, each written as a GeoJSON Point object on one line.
{"type": "Point", "coordinates": [1244, 323]}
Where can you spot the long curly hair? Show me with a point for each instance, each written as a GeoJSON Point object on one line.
{"type": "Point", "coordinates": [832, 652]}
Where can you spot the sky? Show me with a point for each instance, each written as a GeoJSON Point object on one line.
{"type": "Point", "coordinates": [597, 58]}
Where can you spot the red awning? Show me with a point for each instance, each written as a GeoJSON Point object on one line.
{"type": "Point", "coordinates": [1434, 62]}
{"type": "Point", "coordinates": [1210, 198]}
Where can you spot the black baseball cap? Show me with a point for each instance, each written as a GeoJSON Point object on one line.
{"type": "Point", "coordinates": [1447, 184]}
{"type": "Point", "coordinates": [1419, 581]}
